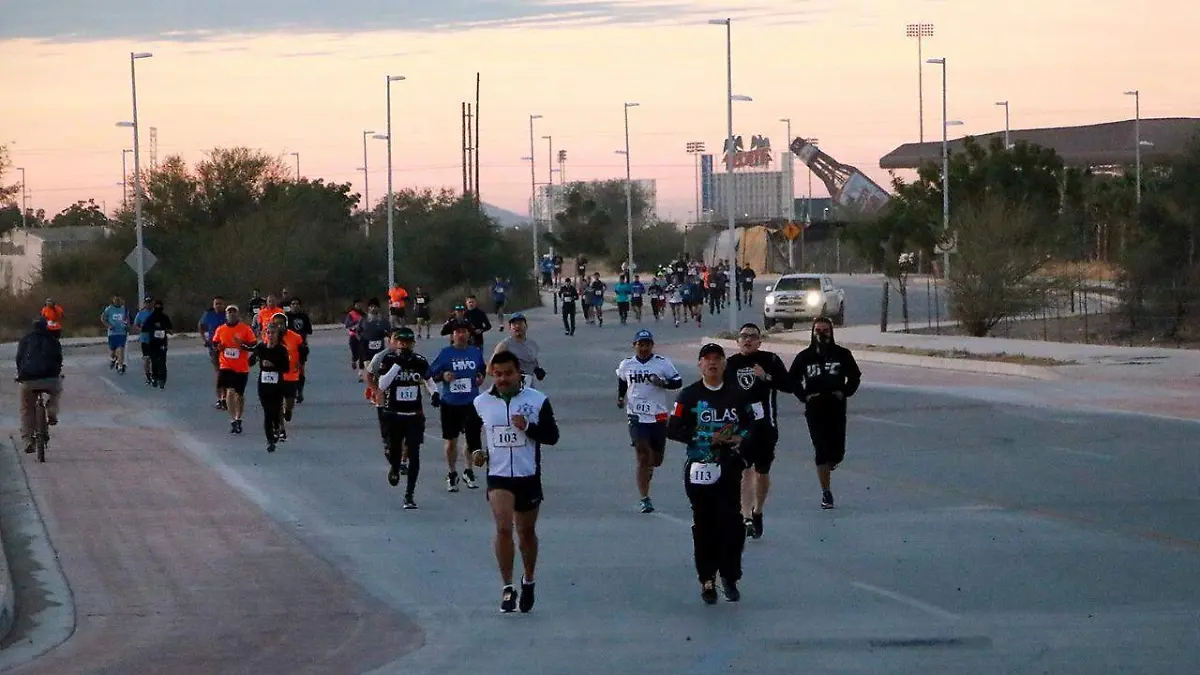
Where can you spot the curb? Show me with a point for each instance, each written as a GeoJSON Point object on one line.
{"type": "Point", "coordinates": [7, 593]}
{"type": "Point", "coordinates": [967, 365]}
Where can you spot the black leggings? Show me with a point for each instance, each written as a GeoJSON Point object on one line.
{"type": "Point", "coordinates": [405, 434]}
{"type": "Point", "coordinates": [718, 533]}
{"type": "Point", "coordinates": [271, 398]}
{"type": "Point", "coordinates": [158, 362]}
{"type": "Point", "coordinates": [568, 313]}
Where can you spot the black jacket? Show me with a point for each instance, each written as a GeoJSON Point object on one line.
{"type": "Point", "coordinates": [39, 356]}
{"type": "Point", "coordinates": [157, 326]}
{"type": "Point", "coordinates": [479, 320]}
{"type": "Point", "coordinates": [301, 323]}
{"type": "Point", "coordinates": [824, 369]}
{"type": "Point", "coordinates": [761, 394]}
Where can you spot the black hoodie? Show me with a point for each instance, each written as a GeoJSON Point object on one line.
{"type": "Point", "coordinates": [157, 325]}
{"type": "Point", "coordinates": [824, 368]}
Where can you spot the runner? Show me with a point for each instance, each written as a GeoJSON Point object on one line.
{"type": "Point", "coordinates": [675, 297]}
{"type": "Point", "coordinates": [636, 292]}
{"type": "Point", "coordinates": [519, 422]}
{"type": "Point", "coordinates": [255, 305]}
{"type": "Point", "coordinates": [212, 319]}
{"type": "Point", "coordinates": [53, 313]}
{"type": "Point", "coordinates": [582, 289]}
{"type": "Point", "coordinates": [374, 394]}
{"type": "Point", "coordinates": [144, 337]}
{"type": "Point", "coordinates": [547, 268]}
{"type": "Point", "coordinates": [558, 269]}
{"type": "Point", "coordinates": [234, 340]}
{"type": "Point", "coordinates": [372, 330]}
{"type": "Point", "coordinates": [657, 298]}
{"type": "Point", "coordinates": [622, 291]}
{"type": "Point", "coordinates": [460, 369]}
{"type": "Point", "coordinates": [158, 326]}
{"type": "Point", "coordinates": [457, 316]}
{"type": "Point", "coordinates": [581, 263]}
{"type": "Point", "coordinates": [596, 290]}
{"type": "Point", "coordinates": [301, 324]}
{"type": "Point", "coordinates": [823, 376]}
{"type": "Point", "coordinates": [397, 305]}
{"type": "Point", "coordinates": [421, 300]}
{"type": "Point", "coordinates": [643, 381]}
{"type": "Point", "coordinates": [266, 314]}
{"type": "Point", "coordinates": [479, 322]}
{"type": "Point", "coordinates": [569, 295]}
{"type": "Point", "coordinates": [499, 297]}
{"type": "Point", "coordinates": [404, 372]}
{"type": "Point", "coordinates": [116, 320]}
{"type": "Point", "coordinates": [273, 363]}
{"type": "Point", "coordinates": [759, 374]}
{"type": "Point", "coordinates": [297, 350]}
{"type": "Point", "coordinates": [748, 277]}
{"type": "Point", "coordinates": [526, 350]}
{"type": "Point", "coordinates": [711, 418]}
{"type": "Point", "coordinates": [353, 317]}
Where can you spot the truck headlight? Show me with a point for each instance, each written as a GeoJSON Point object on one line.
{"type": "Point", "coordinates": [770, 300]}
{"type": "Point", "coordinates": [813, 299]}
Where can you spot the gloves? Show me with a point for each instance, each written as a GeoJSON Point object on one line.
{"type": "Point", "coordinates": [435, 399]}
{"type": "Point", "coordinates": [539, 374]}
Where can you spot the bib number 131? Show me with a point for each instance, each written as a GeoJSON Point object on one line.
{"type": "Point", "coordinates": [701, 473]}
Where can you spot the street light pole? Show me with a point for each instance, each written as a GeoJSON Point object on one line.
{"type": "Point", "coordinates": [628, 192]}
{"type": "Point", "coordinates": [137, 176]}
{"type": "Point", "coordinates": [919, 31]}
{"type": "Point", "coordinates": [550, 191]}
{"type": "Point", "coordinates": [125, 178]}
{"type": "Point", "coordinates": [23, 208]}
{"type": "Point", "coordinates": [533, 197]}
{"type": "Point", "coordinates": [695, 148]}
{"type": "Point", "coordinates": [945, 168]}
{"type": "Point", "coordinates": [1137, 141]}
{"type": "Point", "coordinates": [791, 203]}
{"type": "Point", "coordinates": [1007, 143]}
{"type": "Point", "coordinates": [366, 184]}
{"type": "Point", "coordinates": [297, 156]}
{"type": "Point", "coordinates": [391, 200]}
{"type": "Point", "coordinates": [728, 23]}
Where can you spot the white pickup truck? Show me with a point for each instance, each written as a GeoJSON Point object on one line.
{"type": "Point", "coordinates": [803, 297]}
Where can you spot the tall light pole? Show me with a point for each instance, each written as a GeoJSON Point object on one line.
{"type": "Point", "coordinates": [366, 183]}
{"type": "Point", "coordinates": [297, 156]}
{"type": "Point", "coordinates": [533, 196]}
{"type": "Point", "coordinates": [945, 168]}
{"type": "Point", "coordinates": [1137, 140]}
{"type": "Point", "coordinates": [791, 203]}
{"type": "Point", "coordinates": [391, 201]}
{"type": "Point", "coordinates": [695, 148]}
{"type": "Point", "coordinates": [628, 193]}
{"type": "Point", "coordinates": [920, 31]}
{"type": "Point", "coordinates": [137, 176]}
{"type": "Point", "coordinates": [23, 193]}
{"type": "Point", "coordinates": [1007, 143]}
{"type": "Point", "coordinates": [550, 189]}
{"type": "Point", "coordinates": [728, 23]}
{"type": "Point", "coordinates": [125, 178]}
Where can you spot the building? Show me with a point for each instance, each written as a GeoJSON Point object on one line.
{"type": "Point", "coordinates": [757, 192]}
{"type": "Point", "coordinates": [22, 252]}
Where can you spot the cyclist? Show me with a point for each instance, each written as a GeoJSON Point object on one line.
{"type": "Point", "coordinates": [39, 370]}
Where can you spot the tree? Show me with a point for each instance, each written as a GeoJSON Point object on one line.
{"type": "Point", "coordinates": [593, 221]}
{"type": "Point", "coordinates": [7, 192]}
{"type": "Point", "coordinates": [10, 218]}
{"type": "Point", "coordinates": [81, 214]}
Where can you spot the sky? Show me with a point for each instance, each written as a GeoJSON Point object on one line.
{"type": "Point", "coordinates": [308, 77]}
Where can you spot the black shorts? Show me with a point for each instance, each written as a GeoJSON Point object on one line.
{"type": "Point", "coordinates": [653, 434]}
{"type": "Point", "coordinates": [288, 388]}
{"type": "Point", "coordinates": [146, 350]}
{"type": "Point", "coordinates": [423, 312]}
{"type": "Point", "coordinates": [397, 312]}
{"type": "Point", "coordinates": [461, 419]}
{"type": "Point", "coordinates": [498, 304]}
{"type": "Point", "coordinates": [366, 353]}
{"type": "Point", "coordinates": [636, 301]}
{"type": "Point", "coordinates": [827, 429]}
{"type": "Point", "coordinates": [409, 429]}
{"type": "Point", "coordinates": [526, 490]}
{"type": "Point", "coordinates": [230, 379]}
{"type": "Point", "coordinates": [759, 447]}
{"type": "Point", "coordinates": [353, 342]}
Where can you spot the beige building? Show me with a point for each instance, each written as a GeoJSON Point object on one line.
{"type": "Point", "coordinates": [22, 252]}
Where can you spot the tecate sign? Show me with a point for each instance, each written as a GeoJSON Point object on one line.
{"type": "Point", "coordinates": [758, 156]}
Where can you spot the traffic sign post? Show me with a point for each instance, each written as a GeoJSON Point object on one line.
{"type": "Point", "coordinates": [791, 231]}
{"type": "Point", "coordinates": [148, 261]}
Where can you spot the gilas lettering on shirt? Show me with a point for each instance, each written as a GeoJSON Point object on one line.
{"type": "Point", "coordinates": [717, 416]}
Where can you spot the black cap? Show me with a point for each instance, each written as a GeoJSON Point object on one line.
{"type": "Point", "coordinates": [404, 334]}
{"type": "Point", "coordinates": [712, 348]}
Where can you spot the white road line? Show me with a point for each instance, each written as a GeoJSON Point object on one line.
{"type": "Point", "coordinates": [110, 384]}
{"type": "Point", "coordinates": [881, 420]}
{"type": "Point", "coordinates": [905, 600]}
{"type": "Point", "coordinates": [686, 522]}
{"type": "Point", "coordinates": [1083, 453]}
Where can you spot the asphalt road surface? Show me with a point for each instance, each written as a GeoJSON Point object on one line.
{"type": "Point", "coordinates": [978, 529]}
{"type": "Point", "coordinates": [864, 301]}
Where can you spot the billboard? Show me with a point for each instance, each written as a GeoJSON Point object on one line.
{"type": "Point", "coordinates": [706, 190]}
{"type": "Point", "coordinates": [758, 156]}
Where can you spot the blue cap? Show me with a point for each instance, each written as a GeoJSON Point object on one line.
{"type": "Point", "coordinates": [516, 317]}
{"type": "Point", "coordinates": [643, 334]}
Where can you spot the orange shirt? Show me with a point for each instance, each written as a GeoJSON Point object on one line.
{"type": "Point", "coordinates": [292, 342]}
{"type": "Point", "coordinates": [53, 316]}
{"type": "Point", "coordinates": [396, 297]}
{"type": "Point", "coordinates": [266, 314]}
{"type": "Point", "coordinates": [231, 355]}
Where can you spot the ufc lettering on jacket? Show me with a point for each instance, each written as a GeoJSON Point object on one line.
{"type": "Point", "coordinates": [816, 370]}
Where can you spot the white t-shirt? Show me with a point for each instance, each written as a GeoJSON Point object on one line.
{"type": "Point", "coordinates": [649, 402]}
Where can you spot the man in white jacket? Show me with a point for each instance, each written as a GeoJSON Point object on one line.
{"type": "Point", "coordinates": [517, 422]}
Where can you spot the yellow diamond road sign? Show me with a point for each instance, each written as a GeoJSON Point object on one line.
{"type": "Point", "coordinates": [791, 231]}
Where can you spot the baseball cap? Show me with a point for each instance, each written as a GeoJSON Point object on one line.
{"type": "Point", "coordinates": [516, 317]}
{"type": "Point", "coordinates": [405, 334]}
{"type": "Point", "coordinates": [712, 348]}
{"type": "Point", "coordinates": [460, 307]}
{"type": "Point", "coordinates": [643, 334]}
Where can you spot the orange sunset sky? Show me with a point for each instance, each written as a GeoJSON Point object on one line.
{"type": "Point", "coordinates": [306, 76]}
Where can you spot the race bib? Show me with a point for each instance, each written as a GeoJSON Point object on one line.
{"type": "Point", "coordinates": [461, 386]}
{"type": "Point", "coordinates": [232, 352]}
{"type": "Point", "coordinates": [375, 344]}
{"type": "Point", "coordinates": [269, 377]}
{"type": "Point", "coordinates": [642, 407]}
{"type": "Point", "coordinates": [506, 437]}
{"type": "Point", "coordinates": [118, 317]}
{"type": "Point", "coordinates": [406, 394]}
{"type": "Point", "coordinates": [757, 408]}
{"type": "Point", "coordinates": [701, 473]}
{"type": "Point", "coordinates": [420, 301]}
{"type": "Point", "coordinates": [598, 294]}
{"type": "Point", "coordinates": [160, 334]}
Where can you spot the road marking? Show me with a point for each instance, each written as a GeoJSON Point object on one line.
{"type": "Point", "coordinates": [1083, 453]}
{"type": "Point", "coordinates": [686, 522]}
{"type": "Point", "coordinates": [881, 420]}
{"type": "Point", "coordinates": [110, 384]}
{"type": "Point", "coordinates": [905, 600]}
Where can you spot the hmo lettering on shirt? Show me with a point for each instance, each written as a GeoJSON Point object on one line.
{"type": "Point", "coordinates": [465, 364]}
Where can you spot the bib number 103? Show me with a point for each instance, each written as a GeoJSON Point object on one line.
{"type": "Point", "coordinates": [507, 437]}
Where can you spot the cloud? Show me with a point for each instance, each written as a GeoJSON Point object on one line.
{"type": "Point", "coordinates": [88, 20]}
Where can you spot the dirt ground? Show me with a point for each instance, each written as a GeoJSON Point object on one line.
{"type": "Point", "coordinates": [1104, 329]}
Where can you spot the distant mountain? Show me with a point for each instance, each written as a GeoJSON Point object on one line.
{"type": "Point", "coordinates": [504, 217]}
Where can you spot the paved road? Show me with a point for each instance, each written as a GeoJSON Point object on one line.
{"type": "Point", "coordinates": [978, 529]}
{"type": "Point", "coordinates": [864, 301]}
